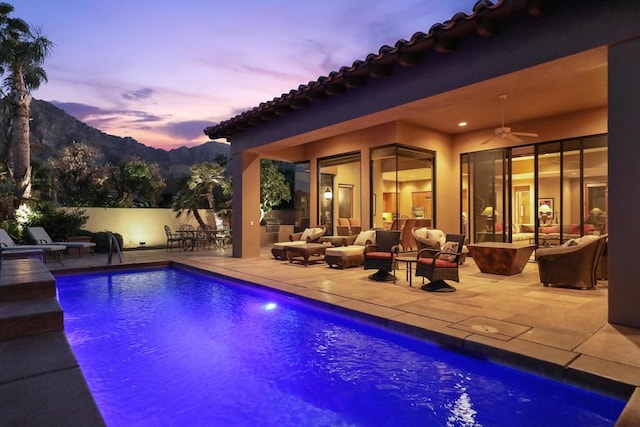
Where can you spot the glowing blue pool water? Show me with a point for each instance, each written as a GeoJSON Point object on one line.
{"type": "Point", "coordinates": [174, 347]}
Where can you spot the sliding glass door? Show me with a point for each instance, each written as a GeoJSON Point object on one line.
{"type": "Point", "coordinates": [340, 190]}
{"type": "Point", "coordinates": [402, 183]}
{"type": "Point", "coordinates": [544, 194]}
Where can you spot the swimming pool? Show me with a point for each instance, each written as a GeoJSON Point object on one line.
{"type": "Point", "coordinates": [176, 347]}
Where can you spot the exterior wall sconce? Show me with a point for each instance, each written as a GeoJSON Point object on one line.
{"type": "Point", "coordinates": [328, 195]}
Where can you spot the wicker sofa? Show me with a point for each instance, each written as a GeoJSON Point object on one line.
{"type": "Point", "coordinates": [525, 233]}
{"type": "Point", "coordinates": [573, 264]}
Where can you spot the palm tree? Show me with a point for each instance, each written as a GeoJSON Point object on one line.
{"type": "Point", "coordinates": [22, 52]}
{"type": "Point", "coordinates": [204, 178]}
{"type": "Point", "coordinates": [188, 201]}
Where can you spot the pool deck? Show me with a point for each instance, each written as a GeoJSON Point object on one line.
{"type": "Point", "coordinates": [561, 333]}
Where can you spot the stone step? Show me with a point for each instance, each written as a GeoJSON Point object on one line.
{"type": "Point", "coordinates": [22, 318]}
{"type": "Point", "coordinates": [25, 279]}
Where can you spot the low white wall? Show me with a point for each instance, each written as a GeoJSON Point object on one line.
{"type": "Point", "coordinates": [140, 225]}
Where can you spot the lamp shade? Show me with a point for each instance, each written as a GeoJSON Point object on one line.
{"type": "Point", "coordinates": [545, 209]}
{"type": "Point", "coordinates": [489, 212]}
{"type": "Point", "coordinates": [596, 211]}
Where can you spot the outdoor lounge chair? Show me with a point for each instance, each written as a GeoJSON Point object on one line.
{"type": "Point", "coordinates": [309, 235]}
{"type": "Point", "coordinates": [8, 245]}
{"type": "Point", "coordinates": [41, 237]}
{"type": "Point", "coordinates": [351, 254]}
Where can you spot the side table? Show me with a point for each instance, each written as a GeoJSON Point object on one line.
{"type": "Point", "coordinates": [408, 260]}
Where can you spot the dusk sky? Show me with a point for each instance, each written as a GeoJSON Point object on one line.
{"type": "Point", "coordinates": [161, 71]}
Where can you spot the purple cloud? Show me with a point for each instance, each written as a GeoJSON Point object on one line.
{"type": "Point", "coordinates": [138, 95]}
{"type": "Point", "coordinates": [94, 115]}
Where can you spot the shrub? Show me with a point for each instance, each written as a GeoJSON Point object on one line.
{"type": "Point", "coordinates": [101, 239]}
{"type": "Point", "coordinates": [60, 224]}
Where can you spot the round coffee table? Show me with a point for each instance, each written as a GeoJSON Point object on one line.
{"type": "Point", "coordinates": [409, 260]}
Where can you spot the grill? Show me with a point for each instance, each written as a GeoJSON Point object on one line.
{"type": "Point", "coordinates": [272, 228]}
{"type": "Point", "coordinates": [272, 225]}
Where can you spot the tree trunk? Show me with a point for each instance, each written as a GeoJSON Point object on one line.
{"type": "Point", "coordinates": [196, 214]}
{"type": "Point", "coordinates": [19, 138]}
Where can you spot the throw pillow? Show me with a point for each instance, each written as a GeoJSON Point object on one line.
{"type": "Point", "coordinates": [306, 233]}
{"type": "Point", "coordinates": [526, 228]}
{"type": "Point", "coordinates": [450, 248]}
{"type": "Point", "coordinates": [362, 238]}
{"type": "Point", "coordinates": [436, 237]}
{"type": "Point", "coordinates": [316, 233]}
{"type": "Point", "coordinates": [516, 228]}
{"type": "Point", "coordinates": [570, 242]}
{"type": "Point", "coordinates": [548, 230]}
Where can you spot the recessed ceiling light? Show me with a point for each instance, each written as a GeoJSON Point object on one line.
{"type": "Point", "coordinates": [462, 124]}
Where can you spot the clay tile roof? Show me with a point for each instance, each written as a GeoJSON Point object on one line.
{"type": "Point", "coordinates": [441, 37]}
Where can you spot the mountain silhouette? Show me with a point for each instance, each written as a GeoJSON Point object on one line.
{"type": "Point", "coordinates": [52, 128]}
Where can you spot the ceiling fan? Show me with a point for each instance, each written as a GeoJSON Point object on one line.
{"type": "Point", "coordinates": [505, 131]}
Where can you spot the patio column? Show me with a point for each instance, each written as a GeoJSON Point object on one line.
{"type": "Point", "coordinates": [624, 176]}
{"type": "Point", "coordinates": [246, 205]}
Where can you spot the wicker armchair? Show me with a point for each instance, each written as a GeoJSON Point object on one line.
{"type": "Point", "coordinates": [573, 264]}
{"type": "Point", "coordinates": [439, 265]}
{"type": "Point", "coordinates": [382, 254]}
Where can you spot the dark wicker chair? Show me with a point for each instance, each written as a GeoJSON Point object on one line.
{"type": "Point", "coordinates": [572, 266]}
{"type": "Point", "coordinates": [439, 265]}
{"type": "Point", "coordinates": [381, 255]}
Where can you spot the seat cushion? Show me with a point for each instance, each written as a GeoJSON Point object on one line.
{"type": "Point", "coordinates": [440, 263]}
{"type": "Point", "coordinates": [281, 245]}
{"type": "Point", "coordinates": [379, 255]}
{"type": "Point", "coordinates": [345, 250]}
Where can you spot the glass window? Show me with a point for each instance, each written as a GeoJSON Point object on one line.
{"type": "Point", "coordinates": [402, 187]}
{"type": "Point", "coordinates": [489, 186]}
{"type": "Point", "coordinates": [340, 189]}
{"type": "Point", "coordinates": [556, 191]}
{"type": "Point", "coordinates": [301, 191]}
{"type": "Point", "coordinates": [596, 186]}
